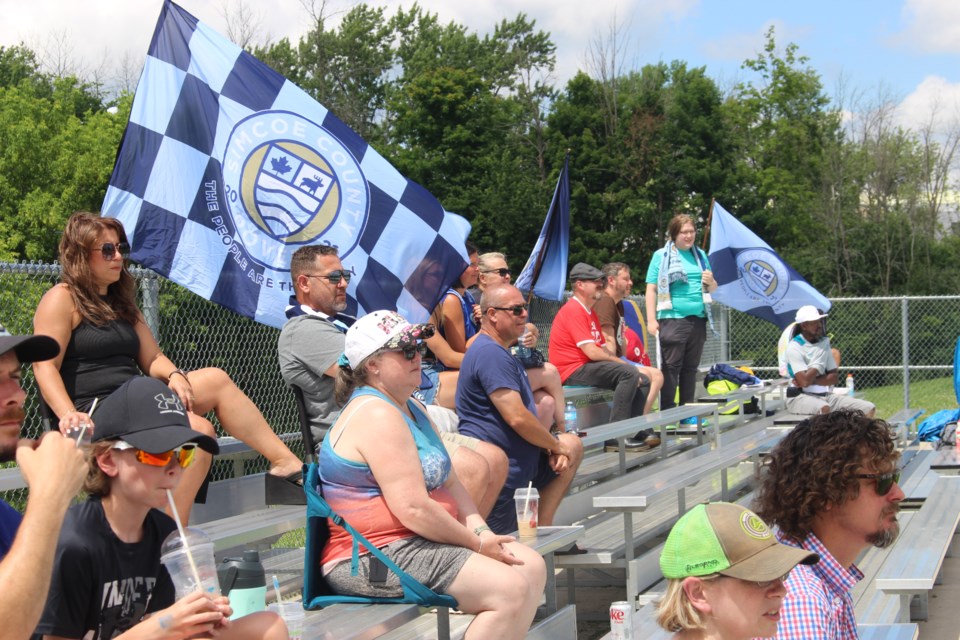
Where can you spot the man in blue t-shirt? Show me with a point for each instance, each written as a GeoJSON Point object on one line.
{"type": "Point", "coordinates": [54, 469]}
{"type": "Point", "coordinates": [495, 404]}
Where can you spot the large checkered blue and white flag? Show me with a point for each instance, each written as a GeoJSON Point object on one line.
{"type": "Point", "coordinates": [226, 168]}
{"type": "Point", "coordinates": [752, 277]}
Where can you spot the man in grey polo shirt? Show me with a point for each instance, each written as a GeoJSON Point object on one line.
{"type": "Point", "coordinates": [811, 364]}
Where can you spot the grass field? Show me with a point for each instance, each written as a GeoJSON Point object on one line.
{"type": "Point", "coordinates": [931, 395]}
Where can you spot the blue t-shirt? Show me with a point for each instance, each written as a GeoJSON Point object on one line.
{"type": "Point", "coordinates": [486, 367]}
{"type": "Point", "coordinates": [9, 523]}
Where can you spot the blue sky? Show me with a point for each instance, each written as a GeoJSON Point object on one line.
{"type": "Point", "coordinates": [905, 51]}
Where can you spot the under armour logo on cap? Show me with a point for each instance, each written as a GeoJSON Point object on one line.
{"type": "Point", "coordinates": [168, 404]}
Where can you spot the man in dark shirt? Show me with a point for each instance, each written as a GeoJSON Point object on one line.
{"type": "Point", "coordinates": [495, 404]}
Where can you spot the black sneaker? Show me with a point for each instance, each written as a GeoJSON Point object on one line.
{"type": "Point", "coordinates": [632, 445]}
{"type": "Point", "coordinates": [647, 437]}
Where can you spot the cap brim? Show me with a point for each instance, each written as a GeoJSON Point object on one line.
{"type": "Point", "coordinates": [773, 562]}
{"type": "Point", "coordinates": [30, 348]}
{"type": "Point", "coordinates": [160, 439]}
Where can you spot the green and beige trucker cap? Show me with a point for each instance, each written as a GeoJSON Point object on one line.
{"type": "Point", "coordinates": [730, 540]}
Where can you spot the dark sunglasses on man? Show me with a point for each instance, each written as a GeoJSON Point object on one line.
{"type": "Point", "coordinates": [110, 249]}
{"type": "Point", "coordinates": [334, 277]}
{"type": "Point", "coordinates": [885, 481]}
{"type": "Point", "coordinates": [516, 309]}
{"type": "Point", "coordinates": [503, 273]}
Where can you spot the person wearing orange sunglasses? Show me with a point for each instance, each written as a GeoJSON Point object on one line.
{"type": "Point", "coordinates": [107, 576]}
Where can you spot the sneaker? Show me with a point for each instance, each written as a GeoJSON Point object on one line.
{"type": "Point", "coordinates": [692, 422]}
{"type": "Point", "coordinates": [647, 437]}
{"type": "Point", "coordinates": [631, 445]}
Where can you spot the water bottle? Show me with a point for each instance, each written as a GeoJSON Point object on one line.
{"type": "Point", "coordinates": [245, 583]}
{"type": "Point", "coordinates": [850, 384]}
{"type": "Point", "coordinates": [522, 351]}
{"type": "Point", "coordinates": [570, 417]}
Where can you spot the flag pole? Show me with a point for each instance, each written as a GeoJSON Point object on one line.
{"type": "Point", "coordinates": [538, 265]}
{"type": "Point", "coordinates": [706, 233]}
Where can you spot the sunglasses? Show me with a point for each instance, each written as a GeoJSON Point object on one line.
{"type": "Point", "coordinates": [411, 350]}
{"type": "Point", "coordinates": [769, 583]}
{"type": "Point", "coordinates": [185, 454]}
{"type": "Point", "coordinates": [502, 272]}
{"type": "Point", "coordinates": [516, 309]}
{"type": "Point", "coordinates": [334, 277]}
{"type": "Point", "coordinates": [109, 249]}
{"type": "Point", "coordinates": [885, 481]}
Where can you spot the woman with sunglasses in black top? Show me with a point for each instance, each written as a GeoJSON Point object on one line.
{"type": "Point", "coordinates": [104, 341]}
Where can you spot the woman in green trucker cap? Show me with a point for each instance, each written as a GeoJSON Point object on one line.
{"type": "Point", "coordinates": [725, 572]}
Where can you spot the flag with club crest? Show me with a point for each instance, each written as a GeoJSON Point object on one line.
{"type": "Point", "coordinates": [752, 277]}
{"type": "Point", "coordinates": [546, 269]}
{"type": "Point", "coordinates": [226, 168]}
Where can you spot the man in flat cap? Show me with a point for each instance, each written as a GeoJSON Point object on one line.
{"type": "Point", "coordinates": [54, 469]}
{"type": "Point", "coordinates": [577, 348]}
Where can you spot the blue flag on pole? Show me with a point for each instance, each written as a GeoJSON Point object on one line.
{"type": "Point", "coordinates": [226, 168]}
{"type": "Point", "coordinates": [546, 268]}
{"type": "Point", "coordinates": [752, 277]}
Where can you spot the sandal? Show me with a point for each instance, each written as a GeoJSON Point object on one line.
{"type": "Point", "coordinates": [284, 490]}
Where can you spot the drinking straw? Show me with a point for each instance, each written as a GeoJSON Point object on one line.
{"type": "Point", "coordinates": [183, 537]}
{"type": "Point", "coordinates": [83, 429]}
{"type": "Point", "coordinates": [276, 590]}
{"type": "Point", "coordinates": [526, 503]}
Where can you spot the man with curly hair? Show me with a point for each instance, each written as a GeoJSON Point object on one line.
{"type": "Point", "coordinates": [830, 487]}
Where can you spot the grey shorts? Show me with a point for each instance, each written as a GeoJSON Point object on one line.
{"type": "Point", "coordinates": [432, 563]}
{"type": "Point", "coordinates": [453, 441]}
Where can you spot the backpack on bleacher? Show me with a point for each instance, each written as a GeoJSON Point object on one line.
{"type": "Point", "coordinates": [940, 427]}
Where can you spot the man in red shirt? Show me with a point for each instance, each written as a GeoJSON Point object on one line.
{"type": "Point", "coordinates": [577, 349]}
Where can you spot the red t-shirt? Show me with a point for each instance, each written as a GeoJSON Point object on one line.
{"type": "Point", "coordinates": [573, 326]}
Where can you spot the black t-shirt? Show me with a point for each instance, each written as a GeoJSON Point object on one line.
{"type": "Point", "coordinates": [102, 586]}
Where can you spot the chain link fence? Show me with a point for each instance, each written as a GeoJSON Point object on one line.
{"type": "Point", "coordinates": [900, 350]}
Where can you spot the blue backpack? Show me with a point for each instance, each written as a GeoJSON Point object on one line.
{"type": "Point", "coordinates": [316, 592]}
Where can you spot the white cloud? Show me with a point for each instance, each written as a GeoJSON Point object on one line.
{"type": "Point", "coordinates": [934, 98]}
{"type": "Point", "coordinates": [933, 26]}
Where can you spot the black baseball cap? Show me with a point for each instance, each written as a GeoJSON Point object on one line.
{"type": "Point", "coordinates": [28, 348]}
{"type": "Point", "coordinates": [147, 414]}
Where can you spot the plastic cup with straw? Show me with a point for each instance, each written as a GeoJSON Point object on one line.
{"type": "Point", "coordinates": [84, 425]}
{"type": "Point", "coordinates": [183, 539]}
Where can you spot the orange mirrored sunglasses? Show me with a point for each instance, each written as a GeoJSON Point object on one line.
{"type": "Point", "coordinates": [184, 454]}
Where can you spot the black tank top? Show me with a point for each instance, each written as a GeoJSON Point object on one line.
{"type": "Point", "coordinates": [98, 360]}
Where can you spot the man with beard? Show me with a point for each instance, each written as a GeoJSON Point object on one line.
{"type": "Point", "coordinates": [312, 339]}
{"type": "Point", "coordinates": [53, 469]}
{"type": "Point", "coordinates": [822, 503]}
{"type": "Point", "coordinates": [578, 350]}
{"type": "Point", "coordinates": [813, 367]}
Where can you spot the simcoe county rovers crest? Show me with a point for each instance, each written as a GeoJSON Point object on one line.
{"type": "Point", "coordinates": [290, 182]}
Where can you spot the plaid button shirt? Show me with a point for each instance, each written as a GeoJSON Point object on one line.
{"type": "Point", "coordinates": [818, 602]}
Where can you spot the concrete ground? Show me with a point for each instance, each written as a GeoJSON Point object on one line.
{"type": "Point", "coordinates": [593, 604]}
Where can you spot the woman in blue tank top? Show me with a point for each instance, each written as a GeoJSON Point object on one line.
{"type": "Point", "coordinates": [384, 469]}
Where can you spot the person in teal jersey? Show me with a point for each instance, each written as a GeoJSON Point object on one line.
{"type": "Point", "coordinates": [679, 282]}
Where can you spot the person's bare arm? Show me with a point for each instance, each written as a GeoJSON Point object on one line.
{"type": "Point", "coordinates": [54, 472]}
{"type": "Point", "coordinates": [650, 302]}
{"type": "Point", "coordinates": [56, 316]}
{"type": "Point", "coordinates": [609, 339]}
{"type": "Point", "coordinates": [597, 354]}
